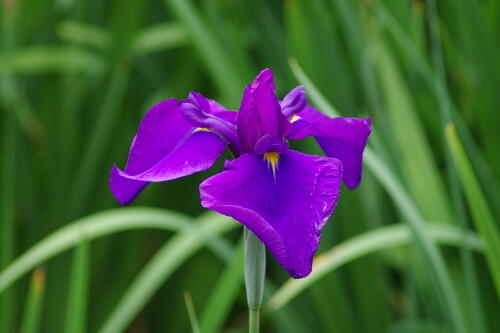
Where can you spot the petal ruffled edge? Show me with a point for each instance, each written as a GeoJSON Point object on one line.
{"type": "Point", "coordinates": [288, 211]}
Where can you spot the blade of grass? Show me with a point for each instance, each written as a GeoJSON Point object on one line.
{"type": "Point", "coordinates": [76, 307]}
{"type": "Point", "coordinates": [482, 217]}
{"type": "Point", "coordinates": [30, 322]}
{"type": "Point", "coordinates": [8, 206]}
{"type": "Point", "coordinates": [224, 294]}
{"type": "Point", "coordinates": [158, 37]}
{"type": "Point", "coordinates": [438, 88]}
{"type": "Point", "coordinates": [286, 319]}
{"type": "Point", "coordinates": [350, 23]}
{"type": "Point", "coordinates": [46, 58]}
{"type": "Point", "coordinates": [8, 162]}
{"type": "Point", "coordinates": [163, 264]}
{"type": "Point", "coordinates": [83, 34]}
{"type": "Point", "coordinates": [96, 146]}
{"type": "Point", "coordinates": [99, 225]}
{"type": "Point", "coordinates": [434, 262]}
{"type": "Point", "coordinates": [73, 87]}
{"type": "Point", "coordinates": [419, 169]}
{"type": "Point", "coordinates": [297, 34]}
{"type": "Point", "coordinates": [371, 159]}
{"type": "Point", "coordinates": [474, 308]}
{"type": "Point", "coordinates": [123, 24]}
{"type": "Point", "coordinates": [195, 327]}
{"type": "Point", "coordinates": [443, 287]}
{"type": "Point", "coordinates": [234, 38]}
{"type": "Point", "coordinates": [260, 18]}
{"type": "Point", "coordinates": [421, 172]}
{"type": "Point", "coordinates": [370, 242]}
{"type": "Point", "coordinates": [320, 50]}
{"type": "Point", "coordinates": [371, 307]}
{"type": "Point", "coordinates": [222, 69]}
{"type": "Point", "coordinates": [479, 49]}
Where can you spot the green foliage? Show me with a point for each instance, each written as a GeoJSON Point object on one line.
{"type": "Point", "coordinates": [362, 245]}
{"type": "Point", "coordinates": [481, 214]}
{"type": "Point", "coordinates": [77, 76]}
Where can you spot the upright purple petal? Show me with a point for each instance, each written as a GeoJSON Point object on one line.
{"type": "Point", "coordinates": [165, 147]}
{"type": "Point", "coordinates": [294, 102]}
{"type": "Point", "coordinates": [341, 138]}
{"type": "Point", "coordinates": [125, 190]}
{"type": "Point", "coordinates": [286, 209]}
{"type": "Point", "coordinates": [260, 112]}
{"type": "Point", "coordinates": [197, 110]}
{"type": "Point", "coordinates": [249, 129]}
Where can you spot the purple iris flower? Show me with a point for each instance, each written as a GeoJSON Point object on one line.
{"type": "Point", "coordinates": [285, 197]}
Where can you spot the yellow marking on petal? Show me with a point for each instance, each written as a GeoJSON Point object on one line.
{"type": "Point", "coordinates": [295, 118]}
{"type": "Point", "coordinates": [272, 158]}
{"type": "Point", "coordinates": [202, 129]}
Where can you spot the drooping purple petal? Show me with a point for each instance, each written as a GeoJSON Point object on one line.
{"type": "Point", "coordinates": [124, 190]}
{"type": "Point", "coordinates": [159, 132]}
{"type": "Point", "coordinates": [260, 112]}
{"type": "Point", "coordinates": [165, 147]}
{"type": "Point", "coordinates": [286, 210]}
{"type": "Point", "coordinates": [342, 138]}
{"type": "Point", "coordinates": [196, 152]}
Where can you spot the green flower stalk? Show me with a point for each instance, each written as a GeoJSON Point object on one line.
{"type": "Point", "coordinates": [255, 272]}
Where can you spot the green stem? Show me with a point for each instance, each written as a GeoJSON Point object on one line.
{"type": "Point", "coordinates": [254, 320]}
{"type": "Point", "coordinates": [255, 272]}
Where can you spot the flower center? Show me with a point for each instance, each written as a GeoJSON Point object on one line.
{"type": "Point", "coordinates": [272, 158]}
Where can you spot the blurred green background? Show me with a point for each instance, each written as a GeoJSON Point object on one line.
{"type": "Point", "coordinates": [416, 248]}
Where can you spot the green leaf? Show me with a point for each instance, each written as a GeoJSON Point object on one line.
{"type": "Point", "coordinates": [76, 308]}
{"type": "Point", "coordinates": [43, 59]}
{"type": "Point", "coordinates": [8, 215]}
{"type": "Point", "coordinates": [221, 67]}
{"type": "Point", "coordinates": [370, 242]}
{"type": "Point", "coordinates": [84, 34]}
{"type": "Point", "coordinates": [427, 249]}
{"type": "Point", "coordinates": [438, 87]}
{"type": "Point", "coordinates": [99, 225]}
{"type": "Point", "coordinates": [164, 263]}
{"type": "Point", "coordinates": [191, 312]}
{"type": "Point", "coordinates": [418, 165]}
{"type": "Point", "coordinates": [97, 142]}
{"type": "Point", "coordinates": [159, 37]}
{"type": "Point", "coordinates": [482, 216]}
{"type": "Point", "coordinates": [224, 294]}
{"type": "Point", "coordinates": [30, 322]}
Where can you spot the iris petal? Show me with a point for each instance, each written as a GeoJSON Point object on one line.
{"type": "Point", "coordinates": [286, 210]}
{"type": "Point", "coordinates": [165, 147]}
{"type": "Point", "coordinates": [197, 110]}
{"type": "Point", "coordinates": [342, 138]}
{"type": "Point", "coordinates": [260, 112]}
{"type": "Point", "coordinates": [294, 102]}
